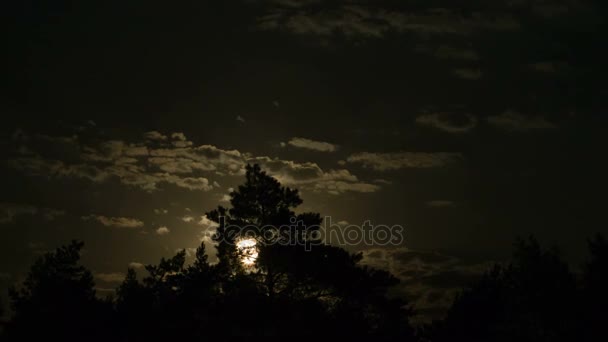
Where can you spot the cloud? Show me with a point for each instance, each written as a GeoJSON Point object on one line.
{"type": "Point", "coordinates": [137, 165]}
{"type": "Point", "coordinates": [190, 183]}
{"type": "Point", "coordinates": [178, 165]}
{"type": "Point", "coordinates": [402, 160]}
{"type": "Point", "coordinates": [113, 150]}
{"type": "Point", "coordinates": [52, 214]}
{"type": "Point", "coordinates": [136, 265]}
{"type": "Point", "coordinates": [448, 122]}
{"type": "Point", "coordinates": [163, 231]}
{"type": "Point", "coordinates": [364, 22]}
{"type": "Point", "coordinates": [240, 119]}
{"type": "Point", "coordinates": [190, 251]}
{"type": "Point", "coordinates": [409, 256]}
{"type": "Point", "coordinates": [514, 121]}
{"type": "Point", "coordinates": [10, 211]}
{"type": "Point", "coordinates": [180, 140]}
{"type": "Point", "coordinates": [155, 136]}
{"type": "Point", "coordinates": [110, 277]}
{"type": "Point", "coordinates": [313, 145]}
{"type": "Point", "coordinates": [226, 197]}
{"type": "Point", "coordinates": [339, 187]}
{"type": "Point", "coordinates": [161, 211]}
{"type": "Point", "coordinates": [549, 10]}
{"type": "Point", "coordinates": [40, 166]}
{"type": "Point", "coordinates": [178, 136]}
{"type": "Point", "coordinates": [185, 166]}
{"type": "Point", "coordinates": [440, 204]}
{"type": "Point", "coordinates": [551, 67]}
{"type": "Point", "coordinates": [371, 21]}
{"type": "Point", "coordinates": [120, 222]}
{"type": "Point", "coordinates": [205, 222]}
{"type": "Point", "coordinates": [468, 73]}
{"type": "Point", "coordinates": [310, 176]}
{"type": "Point", "coordinates": [203, 157]}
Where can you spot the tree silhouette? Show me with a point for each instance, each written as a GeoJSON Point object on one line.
{"type": "Point", "coordinates": [295, 273]}
{"type": "Point", "coordinates": [57, 300]}
{"type": "Point", "coordinates": [533, 298]}
{"type": "Point", "coordinates": [296, 285]}
{"type": "Point", "coordinates": [2, 319]}
{"type": "Point", "coordinates": [288, 287]}
{"type": "Point", "coordinates": [595, 284]}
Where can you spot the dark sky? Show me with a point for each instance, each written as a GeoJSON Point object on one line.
{"type": "Point", "coordinates": [467, 122]}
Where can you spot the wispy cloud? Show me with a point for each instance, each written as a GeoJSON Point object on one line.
{"type": "Point", "coordinates": [402, 160]}
{"type": "Point", "coordinates": [367, 22]}
{"type": "Point", "coordinates": [155, 136]}
{"type": "Point", "coordinates": [10, 211]}
{"type": "Point", "coordinates": [548, 67]}
{"type": "Point", "coordinates": [314, 145]}
{"type": "Point", "coordinates": [515, 121]}
{"type": "Point", "coordinates": [110, 277]}
{"type": "Point", "coordinates": [448, 122]}
{"type": "Point", "coordinates": [310, 176]}
{"type": "Point", "coordinates": [205, 222]}
{"type": "Point", "coordinates": [119, 222]}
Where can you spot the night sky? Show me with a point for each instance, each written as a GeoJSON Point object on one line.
{"type": "Point", "coordinates": [467, 122]}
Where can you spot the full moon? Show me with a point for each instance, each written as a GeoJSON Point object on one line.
{"type": "Point", "coordinates": [249, 251]}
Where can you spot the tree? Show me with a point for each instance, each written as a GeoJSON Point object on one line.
{"type": "Point", "coordinates": [595, 283]}
{"type": "Point", "coordinates": [134, 307]}
{"type": "Point", "coordinates": [2, 321]}
{"type": "Point", "coordinates": [57, 300]}
{"type": "Point", "coordinates": [294, 284]}
{"type": "Point", "coordinates": [533, 298]}
{"type": "Point", "coordinates": [294, 271]}
{"type": "Point", "coordinates": [177, 300]}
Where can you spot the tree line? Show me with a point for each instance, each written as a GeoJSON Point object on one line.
{"type": "Point", "coordinates": [302, 290]}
